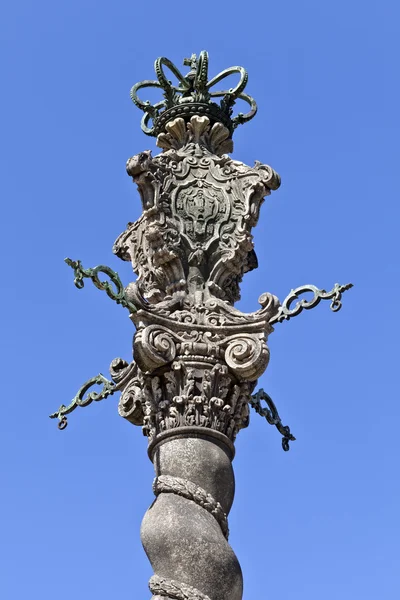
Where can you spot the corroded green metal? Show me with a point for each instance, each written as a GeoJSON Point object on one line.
{"type": "Point", "coordinates": [286, 313]}
{"type": "Point", "coordinates": [117, 294]}
{"type": "Point", "coordinates": [196, 358]}
{"type": "Point", "coordinates": [81, 399]}
{"type": "Point", "coordinates": [270, 413]}
{"type": "Point", "coordinates": [192, 92]}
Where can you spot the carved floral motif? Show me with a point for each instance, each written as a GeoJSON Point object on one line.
{"type": "Point", "coordinates": [197, 357]}
{"type": "Point", "coordinates": [190, 393]}
{"type": "Point", "coordinates": [194, 236]}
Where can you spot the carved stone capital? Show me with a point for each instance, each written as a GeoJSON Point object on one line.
{"type": "Point", "coordinates": [189, 393]}
{"type": "Point", "coordinates": [247, 355]}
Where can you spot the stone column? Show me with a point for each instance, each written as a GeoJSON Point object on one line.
{"type": "Point", "coordinates": [197, 358]}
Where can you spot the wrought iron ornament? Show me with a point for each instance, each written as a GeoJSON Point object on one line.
{"type": "Point", "coordinates": [120, 371]}
{"type": "Point", "coordinates": [193, 95]}
{"type": "Point", "coordinates": [196, 358]}
{"type": "Point", "coordinates": [286, 313]}
{"type": "Point", "coordinates": [117, 294]}
{"type": "Point", "coordinates": [272, 416]}
{"type": "Point", "coordinates": [81, 400]}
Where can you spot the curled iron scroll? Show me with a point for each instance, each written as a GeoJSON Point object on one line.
{"type": "Point", "coordinates": [192, 87]}
{"type": "Point", "coordinates": [236, 91]}
{"type": "Point", "coordinates": [163, 81]}
{"type": "Point", "coordinates": [121, 372]}
{"type": "Point", "coordinates": [270, 413]}
{"type": "Point", "coordinates": [81, 398]}
{"type": "Point", "coordinates": [195, 79]}
{"type": "Point", "coordinates": [145, 104]}
{"type": "Point", "coordinates": [285, 311]}
{"type": "Point", "coordinates": [117, 294]}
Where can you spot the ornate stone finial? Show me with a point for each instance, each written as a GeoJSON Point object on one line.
{"type": "Point", "coordinates": [193, 96]}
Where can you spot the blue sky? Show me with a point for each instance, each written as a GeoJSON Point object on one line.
{"type": "Point", "coordinates": [319, 521]}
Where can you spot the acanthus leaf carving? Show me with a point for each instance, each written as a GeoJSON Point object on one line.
{"type": "Point", "coordinates": [189, 393]}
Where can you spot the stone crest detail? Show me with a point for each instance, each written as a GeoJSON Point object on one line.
{"type": "Point", "coordinates": [194, 235]}
{"type": "Point", "coordinates": [197, 357]}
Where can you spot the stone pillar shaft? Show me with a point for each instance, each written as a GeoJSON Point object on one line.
{"type": "Point", "coordinates": [185, 531]}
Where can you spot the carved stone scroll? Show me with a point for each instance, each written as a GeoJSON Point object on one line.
{"type": "Point", "coordinates": [196, 357]}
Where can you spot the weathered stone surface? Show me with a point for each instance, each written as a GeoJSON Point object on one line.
{"type": "Point", "coordinates": [194, 238]}
{"type": "Point", "coordinates": [197, 358]}
{"type": "Point", "coordinates": [181, 532]}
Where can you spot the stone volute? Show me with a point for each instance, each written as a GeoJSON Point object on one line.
{"type": "Point", "coordinates": [196, 357]}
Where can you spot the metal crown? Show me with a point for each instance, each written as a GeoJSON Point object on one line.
{"type": "Point", "coordinates": [192, 96]}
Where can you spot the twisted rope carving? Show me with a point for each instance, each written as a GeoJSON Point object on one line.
{"type": "Point", "coordinates": [168, 588]}
{"type": "Point", "coordinates": [189, 490]}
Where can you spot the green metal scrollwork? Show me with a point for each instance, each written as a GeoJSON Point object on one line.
{"type": "Point", "coordinates": [81, 400]}
{"type": "Point", "coordinates": [194, 87]}
{"type": "Point", "coordinates": [117, 294]}
{"type": "Point", "coordinates": [272, 416]}
{"type": "Point", "coordinates": [286, 313]}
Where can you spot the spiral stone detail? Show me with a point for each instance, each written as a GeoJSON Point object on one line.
{"type": "Point", "coordinates": [247, 356]}
{"type": "Point", "coordinates": [164, 588]}
{"type": "Point", "coordinates": [154, 347]}
{"type": "Point", "coordinates": [130, 405]}
{"type": "Point", "coordinates": [189, 490]}
{"type": "Point", "coordinates": [184, 532]}
{"type": "Point", "coordinates": [197, 358]}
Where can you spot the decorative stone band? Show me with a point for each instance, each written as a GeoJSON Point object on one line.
{"type": "Point", "coordinates": [246, 354]}
{"type": "Point", "coordinates": [168, 588]}
{"type": "Point", "coordinates": [187, 489]}
{"type": "Point", "coordinates": [192, 432]}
